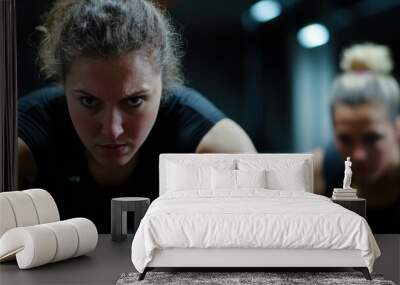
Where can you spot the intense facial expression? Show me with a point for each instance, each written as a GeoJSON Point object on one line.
{"type": "Point", "coordinates": [366, 134]}
{"type": "Point", "coordinates": [113, 104]}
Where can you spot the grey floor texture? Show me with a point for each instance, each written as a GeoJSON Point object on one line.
{"type": "Point", "coordinates": [111, 259]}
{"type": "Point", "coordinates": [268, 278]}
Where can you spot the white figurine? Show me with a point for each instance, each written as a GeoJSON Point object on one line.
{"type": "Point", "coordinates": [347, 174]}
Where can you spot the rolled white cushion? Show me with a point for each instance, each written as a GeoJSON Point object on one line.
{"type": "Point", "coordinates": [45, 205]}
{"type": "Point", "coordinates": [40, 244]}
{"type": "Point", "coordinates": [87, 235]}
{"type": "Point", "coordinates": [33, 245]}
{"type": "Point", "coordinates": [26, 208]}
{"type": "Point", "coordinates": [23, 208]}
{"type": "Point", "coordinates": [7, 218]}
{"type": "Point", "coordinates": [67, 240]}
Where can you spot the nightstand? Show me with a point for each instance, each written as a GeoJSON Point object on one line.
{"type": "Point", "coordinates": [119, 209]}
{"type": "Point", "coordinates": [358, 205]}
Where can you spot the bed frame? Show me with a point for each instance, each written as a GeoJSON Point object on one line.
{"type": "Point", "coordinates": [248, 259]}
{"type": "Point", "coordinates": [260, 259]}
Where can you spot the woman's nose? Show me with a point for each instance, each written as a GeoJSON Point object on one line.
{"type": "Point", "coordinates": [112, 124]}
{"type": "Point", "coordinates": [359, 153]}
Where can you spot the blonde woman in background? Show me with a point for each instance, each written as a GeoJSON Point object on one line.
{"type": "Point", "coordinates": [365, 116]}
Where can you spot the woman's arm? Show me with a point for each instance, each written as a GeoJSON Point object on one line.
{"type": "Point", "coordinates": [226, 136]}
{"type": "Point", "coordinates": [319, 181]}
{"type": "Point", "coordinates": [27, 170]}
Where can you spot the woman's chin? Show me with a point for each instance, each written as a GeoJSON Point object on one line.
{"type": "Point", "coordinates": [367, 176]}
{"type": "Point", "coordinates": [114, 160]}
{"type": "Point", "coordinates": [113, 156]}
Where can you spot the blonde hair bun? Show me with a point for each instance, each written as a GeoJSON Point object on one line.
{"type": "Point", "coordinates": [367, 57]}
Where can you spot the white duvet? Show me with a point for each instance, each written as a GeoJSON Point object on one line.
{"type": "Point", "coordinates": [250, 219]}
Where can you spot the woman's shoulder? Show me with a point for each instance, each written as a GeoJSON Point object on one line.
{"type": "Point", "coordinates": [332, 158]}
{"type": "Point", "coordinates": [43, 116]}
{"type": "Point", "coordinates": [185, 116]}
{"type": "Point", "coordinates": [333, 167]}
{"type": "Point", "coordinates": [180, 99]}
{"type": "Point", "coordinates": [328, 169]}
{"type": "Point", "coordinates": [47, 97]}
{"type": "Point", "coordinates": [182, 93]}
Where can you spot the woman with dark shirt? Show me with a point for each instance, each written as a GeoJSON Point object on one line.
{"type": "Point", "coordinates": [118, 102]}
{"type": "Point", "coordinates": [365, 113]}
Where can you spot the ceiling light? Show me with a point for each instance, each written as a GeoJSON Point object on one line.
{"type": "Point", "coordinates": [265, 10]}
{"type": "Point", "coordinates": [313, 35]}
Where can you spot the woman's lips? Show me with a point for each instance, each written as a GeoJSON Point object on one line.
{"type": "Point", "coordinates": [113, 148]}
{"type": "Point", "coordinates": [361, 170]}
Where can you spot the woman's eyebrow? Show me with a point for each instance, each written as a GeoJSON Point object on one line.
{"type": "Point", "coordinates": [83, 92]}
{"type": "Point", "coordinates": [133, 94]}
{"type": "Point", "coordinates": [137, 93]}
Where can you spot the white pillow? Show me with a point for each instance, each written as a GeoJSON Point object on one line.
{"type": "Point", "coordinates": [251, 178]}
{"type": "Point", "coordinates": [237, 179]}
{"type": "Point", "coordinates": [192, 174]}
{"type": "Point", "coordinates": [282, 174]}
{"type": "Point", "coordinates": [183, 177]}
{"type": "Point", "coordinates": [223, 179]}
{"type": "Point", "coordinates": [291, 179]}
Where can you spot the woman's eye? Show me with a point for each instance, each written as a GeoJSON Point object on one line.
{"type": "Point", "coordinates": [345, 139]}
{"type": "Point", "coordinates": [134, 101]}
{"type": "Point", "coordinates": [371, 139]}
{"type": "Point", "coordinates": [89, 102]}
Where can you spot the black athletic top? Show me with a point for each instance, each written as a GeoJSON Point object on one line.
{"type": "Point", "coordinates": [386, 220]}
{"type": "Point", "coordinates": [44, 124]}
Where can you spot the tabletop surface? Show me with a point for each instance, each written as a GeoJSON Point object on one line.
{"type": "Point", "coordinates": [104, 265]}
{"type": "Point", "coordinates": [110, 259]}
{"type": "Point", "coordinates": [130, 199]}
{"type": "Point", "coordinates": [348, 199]}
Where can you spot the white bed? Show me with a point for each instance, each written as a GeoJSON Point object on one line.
{"type": "Point", "coordinates": [198, 223]}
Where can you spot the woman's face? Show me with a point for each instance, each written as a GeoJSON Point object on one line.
{"type": "Point", "coordinates": [113, 103]}
{"type": "Point", "coordinates": [366, 134]}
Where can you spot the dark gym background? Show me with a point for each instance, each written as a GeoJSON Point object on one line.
{"type": "Point", "coordinates": [251, 72]}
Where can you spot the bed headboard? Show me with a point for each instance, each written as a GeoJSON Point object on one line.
{"type": "Point", "coordinates": [211, 159]}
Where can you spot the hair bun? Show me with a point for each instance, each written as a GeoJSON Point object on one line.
{"type": "Point", "coordinates": [367, 57]}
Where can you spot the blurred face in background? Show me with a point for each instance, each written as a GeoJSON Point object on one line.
{"type": "Point", "coordinates": [369, 137]}
{"type": "Point", "coordinates": [113, 103]}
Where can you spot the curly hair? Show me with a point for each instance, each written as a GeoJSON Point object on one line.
{"type": "Point", "coordinates": [106, 28]}
{"type": "Point", "coordinates": [366, 79]}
